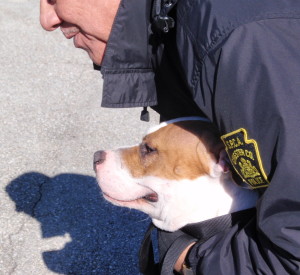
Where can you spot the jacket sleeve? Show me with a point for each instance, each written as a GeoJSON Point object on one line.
{"type": "Point", "coordinates": [257, 88]}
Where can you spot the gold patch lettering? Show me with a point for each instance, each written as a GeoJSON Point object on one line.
{"type": "Point", "coordinates": [245, 158]}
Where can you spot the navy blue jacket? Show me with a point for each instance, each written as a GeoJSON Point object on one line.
{"type": "Point", "coordinates": [238, 63]}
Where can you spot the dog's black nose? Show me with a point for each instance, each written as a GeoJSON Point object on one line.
{"type": "Point", "coordinates": [99, 157]}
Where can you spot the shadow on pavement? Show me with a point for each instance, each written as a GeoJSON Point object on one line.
{"type": "Point", "coordinates": [104, 239]}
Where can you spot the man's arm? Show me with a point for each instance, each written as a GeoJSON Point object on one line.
{"type": "Point", "coordinates": [258, 89]}
{"type": "Point", "coordinates": [179, 264]}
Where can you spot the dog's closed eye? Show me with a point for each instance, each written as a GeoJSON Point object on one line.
{"type": "Point", "coordinates": [146, 150]}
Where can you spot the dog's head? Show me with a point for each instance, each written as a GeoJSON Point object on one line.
{"type": "Point", "coordinates": [173, 172]}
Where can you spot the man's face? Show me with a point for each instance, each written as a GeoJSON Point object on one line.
{"type": "Point", "coordinates": [88, 22]}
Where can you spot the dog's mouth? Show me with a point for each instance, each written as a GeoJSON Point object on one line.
{"type": "Point", "coordinates": [151, 197]}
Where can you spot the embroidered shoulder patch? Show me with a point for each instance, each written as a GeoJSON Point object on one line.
{"type": "Point", "coordinates": [245, 158]}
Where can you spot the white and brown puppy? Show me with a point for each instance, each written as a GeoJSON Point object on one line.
{"type": "Point", "coordinates": [177, 175]}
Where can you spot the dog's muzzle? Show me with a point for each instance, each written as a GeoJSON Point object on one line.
{"type": "Point", "coordinates": [99, 157]}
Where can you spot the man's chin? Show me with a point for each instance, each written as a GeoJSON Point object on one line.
{"type": "Point", "coordinates": [96, 59]}
{"type": "Point", "coordinates": [92, 45]}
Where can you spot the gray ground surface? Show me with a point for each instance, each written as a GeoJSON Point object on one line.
{"type": "Point", "coordinates": [53, 219]}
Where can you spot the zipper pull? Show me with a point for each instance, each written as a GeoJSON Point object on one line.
{"type": "Point", "coordinates": [162, 20]}
{"type": "Point", "coordinates": [145, 115]}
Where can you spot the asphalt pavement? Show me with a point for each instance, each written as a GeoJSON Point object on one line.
{"type": "Point", "coordinates": [53, 219]}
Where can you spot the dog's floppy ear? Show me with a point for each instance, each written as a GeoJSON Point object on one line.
{"type": "Point", "coordinates": [211, 149]}
{"type": "Point", "coordinates": [222, 165]}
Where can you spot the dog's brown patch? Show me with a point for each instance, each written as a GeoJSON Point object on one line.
{"type": "Point", "coordinates": [158, 155]}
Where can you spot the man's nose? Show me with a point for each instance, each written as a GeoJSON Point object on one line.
{"type": "Point", "coordinates": [48, 17]}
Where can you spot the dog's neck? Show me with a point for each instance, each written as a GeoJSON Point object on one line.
{"type": "Point", "coordinates": [205, 198]}
{"type": "Point", "coordinates": [241, 198]}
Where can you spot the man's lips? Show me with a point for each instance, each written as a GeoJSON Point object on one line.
{"type": "Point", "coordinates": [69, 35]}
{"type": "Point", "coordinates": [70, 32]}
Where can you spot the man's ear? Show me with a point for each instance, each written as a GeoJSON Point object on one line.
{"type": "Point", "coordinates": [222, 165]}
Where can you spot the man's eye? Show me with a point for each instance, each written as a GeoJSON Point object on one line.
{"type": "Point", "coordinates": [146, 149]}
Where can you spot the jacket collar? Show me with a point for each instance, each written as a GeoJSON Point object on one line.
{"type": "Point", "coordinates": [128, 77]}
{"type": "Point", "coordinates": [128, 45]}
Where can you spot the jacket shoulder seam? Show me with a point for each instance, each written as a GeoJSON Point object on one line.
{"type": "Point", "coordinates": [220, 36]}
